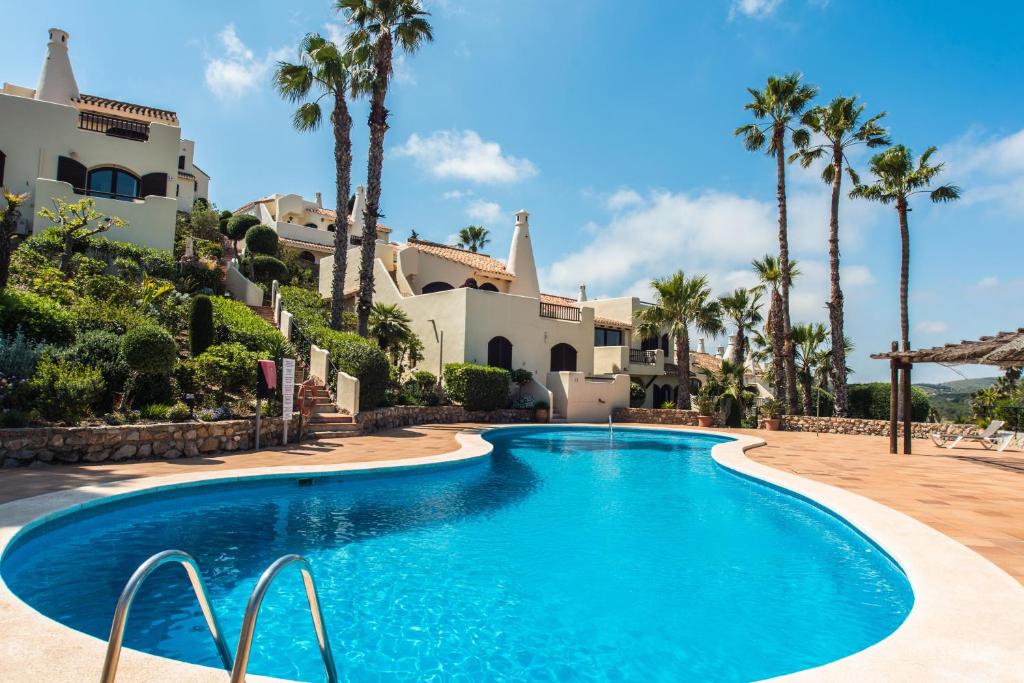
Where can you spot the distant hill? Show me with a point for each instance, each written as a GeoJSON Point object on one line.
{"type": "Point", "coordinates": [952, 399]}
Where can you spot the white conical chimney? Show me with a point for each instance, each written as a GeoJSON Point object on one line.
{"type": "Point", "coordinates": [359, 211]}
{"type": "Point", "coordinates": [57, 80]}
{"type": "Point", "coordinates": [583, 293]}
{"type": "Point", "coordinates": [721, 352]}
{"type": "Point", "coordinates": [319, 200]}
{"type": "Point", "coordinates": [520, 259]}
{"type": "Point", "coordinates": [700, 345]}
{"type": "Point", "coordinates": [732, 349]}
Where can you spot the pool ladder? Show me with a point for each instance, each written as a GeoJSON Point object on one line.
{"type": "Point", "coordinates": [237, 665]}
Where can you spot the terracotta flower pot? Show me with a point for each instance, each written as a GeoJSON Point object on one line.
{"type": "Point", "coordinates": [773, 425]}
{"type": "Point", "coordinates": [705, 421]}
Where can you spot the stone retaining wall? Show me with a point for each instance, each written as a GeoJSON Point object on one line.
{"type": "Point", "coordinates": [853, 425]}
{"type": "Point", "coordinates": [371, 421]}
{"type": "Point", "coordinates": [657, 416]}
{"type": "Point", "coordinates": [21, 447]}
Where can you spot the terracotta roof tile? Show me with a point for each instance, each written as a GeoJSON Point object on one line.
{"type": "Point", "coordinates": [478, 262]}
{"type": "Point", "coordinates": [706, 361]}
{"type": "Point", "coordinates": [118, 108]}
{"type": "Point", "coordinates": [302, 244]}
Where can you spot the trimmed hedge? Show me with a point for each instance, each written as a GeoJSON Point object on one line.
{"type": "Point", "coordinates": [233, 321]}
{"type": "Point", "coordinates": [265, 269]}
{"type": "Point", "coordinates": [477, 387]}
{"type": "Point", "coordinates": [228, 368]}
{"type": "Point", "coordinates": [40, 319]}
{"type": "Point", "coordinates": [261, 239]}
{"type": "Point", "coordinates": [149, 350]}
{"type": "Point", "coordinates": [240, 224]}
{"type": "Point", "coordinates": [871, 402]}
{"type": "Point", "coordinates": [93, 314]}
{"type": "Point", "coordinates": [359, 357]}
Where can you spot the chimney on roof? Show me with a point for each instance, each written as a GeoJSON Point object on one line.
{"type": "Point", "coordinates": [358, 211]}
{"type": "Point", "coordinates": [721, 352]}
{"type": "Point", "coordinates": [319, 200]}
{"type": "Point", "coordinates": [700, 345]}
{"type": "Point", "coordinates": [583, 293]}
{"type": "Point", "coordinates": [520, 259]}
{"type": "Point", "coordinates": [732, 349]}
{"type": "Point", "coordinates": [57, 80]}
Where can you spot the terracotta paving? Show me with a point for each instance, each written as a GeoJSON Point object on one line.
{"type": "Point", "coordinates": [974, 496]}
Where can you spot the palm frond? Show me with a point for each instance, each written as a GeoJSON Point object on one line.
{"type": "Point", "coordinates": [945, 193]}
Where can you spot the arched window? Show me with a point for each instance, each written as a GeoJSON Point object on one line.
{"type": "Point", "coordinates": [307, 258]}
{"type": "Point", "coordinates": [437, 287]}
{"type": "Point", "coordinates": [311, 225]}
{"type": "Point", "coordinates": [563, 358]}
{"type": "Point", "coordinates": [499, 353]}
{"type": "Point", "coordinates": [112, 182]}
{"type": "Point", "coordinates": [664, 344]}
{"type": "Point", "coordinates": [488, 287]}
{"type": "Point", "coordinates": [331, 227]}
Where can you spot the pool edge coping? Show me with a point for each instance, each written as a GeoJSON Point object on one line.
{"type": "Point", "coordinates": [964, 624]}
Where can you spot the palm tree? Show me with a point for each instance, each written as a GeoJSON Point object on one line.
{"type": "Point", "coordinates": [378, 26]}
{"type": "Point", "coordinates": [474, 237]}
{"type": "Point", "coordinates": [733, 394]}
{"type": "Point", "coordinates": [326, 68]}
{"type": "Point", "coordinates": [775, 110]}
{"type": "Point", "coordinates": [770, 276]}
{"type": "Point", "coordinates": [743, 309]}
{"type": "Point", "coordinates": [809, 340]}
{"type": "Point", "coordinates": [839, 125]}
{"type": "Point", "coordinates": [682, 302]}
{"type": "Point", "coordinates": [897, 179]}
{"type": "Point", "coordinates": [389, 325]}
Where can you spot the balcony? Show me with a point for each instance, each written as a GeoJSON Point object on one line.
{"type": "Point", "coordinates": [114, 127]}
{"type": "Point", "coordinates": [560, 312]}
{"type": "Point", "coordinates": [649, 357]}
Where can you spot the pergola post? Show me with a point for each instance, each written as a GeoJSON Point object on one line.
{"type": "Point", "coordinates": [894, 399]}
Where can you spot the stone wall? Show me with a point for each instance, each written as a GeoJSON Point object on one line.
{"type": "Point", "coordinates": [21, 447]}
{"type": "Point", "coordinates": [656, 416]}
{"type": "Point", "coordinates": [852, 425]}
{"type": "Point", "coordinates": [407, 416]}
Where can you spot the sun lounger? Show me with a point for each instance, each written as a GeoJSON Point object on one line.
{"type": "Point", "coordinates": [987, 438]}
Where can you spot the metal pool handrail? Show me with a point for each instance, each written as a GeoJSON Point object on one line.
{"type": "Point", "coordinates": [124, 604]}
{"type": "Point", "coordinates": [252, 611]}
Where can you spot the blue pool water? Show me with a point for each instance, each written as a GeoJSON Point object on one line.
{"type": "Point", "coordinates": [566, 555]}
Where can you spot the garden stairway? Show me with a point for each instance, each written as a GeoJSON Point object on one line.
{"type": "Point", "coordinates": [324, 420]}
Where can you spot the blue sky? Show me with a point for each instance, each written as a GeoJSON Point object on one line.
{"type": "Point", "coordinates": [612, 124]}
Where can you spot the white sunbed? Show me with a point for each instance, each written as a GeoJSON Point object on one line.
{"type": "Point", "coordinates": [987, 438]}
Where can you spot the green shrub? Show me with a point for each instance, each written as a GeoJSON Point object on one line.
{"type": "Point", "coordinates": [637, 394]}
{"type": "Point", "coordinates": [360, 358]}
{"type": "Point", "coordinates": [179, 412]}
{"type": "Point", "coordinates": [209, 250]}
{"type": "Point", "coordinates": [240, 224]}
{"type": "Point", "coordinates": [477, 387]}
{"type": "Point", "coordinates": [425, 378]}
{"type": "Point", "coordinates": [93, 314]}
{"type": "Point", "coordinates": [108, 288]}
{"type": "Point", "coordinates": [65, 391]}
{"type": "Point", "coordinates": [200, 276]}
{"type": "Point", "coordinates": [149, 389]}
{"type": "Point", "coordinates": [41, 319]}
{"type": "Point", "coordinates": [101, 350]}
{"type": "Point", "coordinates": [226, 369]}
{"type": "Point", "coordinates": [265, 269]}
{"type": "Point", "coordinates": [156, 412]}
{"type": "Point", "coordinates": [261, 239]}
{"type": "Point", "coordinates": [520, 377]}
{"type": "Point", "coordinates": [149, 350]}
{"type": "Point", "coordinates": [160, 264]}
{"type": "Point", "coordinates": [128, 268]}
{"type": "Point", "coordinates": [233, 321]}
{"type": "Point", "coordinates": [200, 326]}
{"type": "Point", "coordinates": [86, 266]}
{"type": "Point", "coordinates": [19, 356]}
{"type": "Point", "coordinates": [871, 401]}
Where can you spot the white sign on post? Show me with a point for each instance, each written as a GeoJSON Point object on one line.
{"type": "Point", "coordinates": [287, 393]}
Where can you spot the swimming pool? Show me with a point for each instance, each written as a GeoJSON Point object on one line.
{"type": "Point", "coordinates": [568, 554]}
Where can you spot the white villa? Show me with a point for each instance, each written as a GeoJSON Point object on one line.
{"type": "Point", "coordinates": [59, 142]}
{"type": "Point", "coordinates": [305, 226]}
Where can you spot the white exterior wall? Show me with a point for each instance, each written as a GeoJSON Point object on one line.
{"type": "Point", "coordinates": [419, 269]}
{"type": "Point", "coordinates": [187, 190]}
{"type": "Point", "coordinates": [579, 398]}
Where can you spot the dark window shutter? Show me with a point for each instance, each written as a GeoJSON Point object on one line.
{"type": "Point", "coordinates": [70, 171]}
{"type": "Point", "coordinates": [3, 160]}
{"type": "Point", "coordinates": [154, 184]}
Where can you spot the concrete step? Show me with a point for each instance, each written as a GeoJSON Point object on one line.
{"type": "Point", "coordinates": [330, 418]}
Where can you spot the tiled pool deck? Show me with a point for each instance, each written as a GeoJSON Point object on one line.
{"type": "Point", "coordinates": [972, 495]}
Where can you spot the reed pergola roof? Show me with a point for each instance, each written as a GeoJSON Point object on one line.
{"type": "Point", "coordinates": [1005, 349]}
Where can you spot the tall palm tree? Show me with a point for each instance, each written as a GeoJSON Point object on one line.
{"type": "Point", "coordinates": [776, 110]}
{"type": "Point", "coordinates": [897, 179]}
{"type": "Point", "coordinates": [743, 309]}
{"type": "Point", "coordinates": [327, 69]}
{"type": "Point", "coordinates": [682, 301]}
{"type": "Point", "coordinates": [474, 237]}
{"type": "Point", "coordinates": [838, 124]}
{"type": "Point", "coordinates": [770, 276]}
{"type": "Point", "coordinates": [379, 25]}
{"type": "Point", "coordinates": [809, 340]}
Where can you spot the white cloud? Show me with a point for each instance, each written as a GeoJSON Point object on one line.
{"type": "Point", "coordinates": [464, 155]}
{"type": "Point", "coordinates": [336, 33]}
{"type": "Point", "coordinates": [484, 212]}
{"type": "Point", "coordinates": [989, 169]}
{"type": "Point", "coordinates": [988, 282]}
{"type": "Point", "coordinates": [456, 194]}
{"type": "Point", "coordinates": [238, 70]}
{"type": "Point", "coordinates": [756, 9]}
{"type": "Point", "coordinates": [622, 198]}
{"type": "Point", "coordinates": [931, 326]}
{"type": "Point", "coordinates": [401, 72]}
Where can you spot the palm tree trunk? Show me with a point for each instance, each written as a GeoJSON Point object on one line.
{"type": "Point", "coordinates": [378, 127]}
{"type": "Point", "coordinates": [835, 305]}
{"type": "Point", "coordinates": [806, 395]}
{"type": "Point", "coordinates": [775, 331]}
{"type": "Point", "coordinates": [789, 360]}
{"type": "Point", "coordinates": [901, 207]}
{"type": "Point", "coordinates": [342, 123]}
{"type": "Point", "coordinates": [683, 368]}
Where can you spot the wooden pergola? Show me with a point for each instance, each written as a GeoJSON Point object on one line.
{"type": "Point", "coordinates": [1004, 350]}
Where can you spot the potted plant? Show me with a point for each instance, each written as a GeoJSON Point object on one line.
{"type": "Point", "coordinates": [540, 411]}
{"type": "Point", "coordinates": [706, 407]}
{"type": "Point", "coordinates": [772, 410]}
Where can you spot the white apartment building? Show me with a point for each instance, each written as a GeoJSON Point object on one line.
{"type": "Point", "coordinates": [56, 141]}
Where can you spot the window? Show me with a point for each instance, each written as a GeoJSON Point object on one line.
{"type": "Point", "coordinates": [331, 227]}
{"type": "Point", "coordinates": [607, 337]}
{"type": "Point", "coordinates": [307, 258]}
{"type": "Point", "coordinates": [499, 353]}
{"type": "Point", "coordinates": [488, 287]}
{"type": "Point", "coordinates": [114, 183]}
{"type": "Point", "coordinates": [437, 287]}
{"type": "Point", "coordinates": [181, 162]}
{"type": "Point", "coordinates": [311, 225]}
{"type": "Point", "coordinates": [563, 358]}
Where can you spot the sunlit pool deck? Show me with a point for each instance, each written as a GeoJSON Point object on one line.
{"type": "Point", "coordinates": [965, 625]}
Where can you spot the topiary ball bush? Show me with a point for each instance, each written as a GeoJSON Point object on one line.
{"type": "Point", "coordinates": [265, 269]}
{"type": "Point", "coordinates": [149, 350]}
{"type": "Point", "coordinates": [261, 239]}
{"type": "Point", "coordinates": [39, 318]}
{"type": "Point", "coordinates": [239, 225]}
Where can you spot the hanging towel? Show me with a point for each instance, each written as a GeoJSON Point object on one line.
{"type": "Point", "coordinates": [268, 369]}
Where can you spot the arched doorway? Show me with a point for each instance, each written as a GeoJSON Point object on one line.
{"type": "Point", "coordinates": [436, 287]}
{"type": "Point", "coordinates": [499, 353]}
{"type": "Point", "coordinates": [563, 358]}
